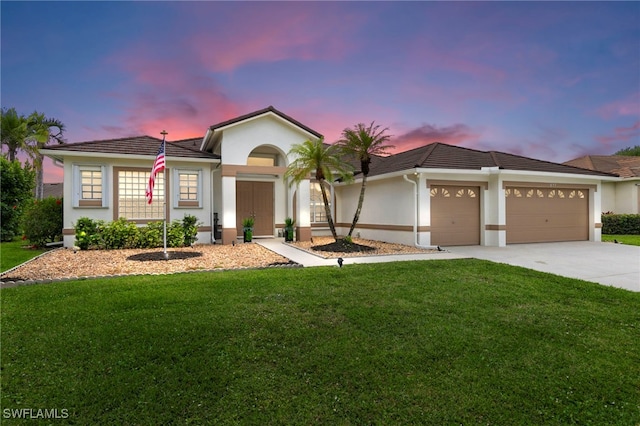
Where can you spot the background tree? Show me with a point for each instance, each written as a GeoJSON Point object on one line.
{"type": "Point", "coordinates": [362, 142]}
{"type": "Point", "coordinates": [41, 131]}
{"type": "Point", "coordinates": [14, 131]}
{"type": "Point", "coordinates": [632, 151]}
{"type": "Point", "coordinates": [322, 161]}
{"type": "Point", "coordinates": [17, 193]}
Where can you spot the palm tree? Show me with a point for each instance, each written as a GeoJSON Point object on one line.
{"type": "Point", "coordinates": [325, 163]}
{"type": "Point", "coordinates": [362, 142]}
{"type": "Point", "coordinates": [13, 128]}
{"type": "Point", "coordinates": [41, 131]}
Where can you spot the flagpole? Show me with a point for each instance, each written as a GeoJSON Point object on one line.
{"type": "Point", "coordinates": [164, 207]}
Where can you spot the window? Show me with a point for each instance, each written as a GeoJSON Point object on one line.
{"type": "Point", "coordinates": [132, 201]}
{"type": "Point", "coordinates": [89, 186]}
{"type": "Point", "coordinates": [261, 160]}
{"type": "Point", "coordinates": [316, 207]}
{"type": "Point", "coordinates": [188, 193]}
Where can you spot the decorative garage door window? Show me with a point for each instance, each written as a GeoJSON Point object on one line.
{"type": "Point", "coordinates": [460, 193]}
{"type": "Point", "coordinates": [544, 193]}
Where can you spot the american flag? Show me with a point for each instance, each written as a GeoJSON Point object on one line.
{"type": "Point", "coordinates": [158, 166]}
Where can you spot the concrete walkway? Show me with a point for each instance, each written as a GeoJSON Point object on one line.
{"type": "Point", "coordinates": [307, 259]}
{"type": "Point", "coordinates": [605, 263]}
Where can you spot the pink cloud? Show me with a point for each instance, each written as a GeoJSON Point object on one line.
{"type": "Point", "coordinates": [268, 35]}
{"type": "Point", "coordinates": [456, 134]}
{"type": "Point", "coordinates": [173, 89]}
{"type": "Point", "coordinates": [629, 105]}
{"type": "Point", "coordinates": [621, 134]}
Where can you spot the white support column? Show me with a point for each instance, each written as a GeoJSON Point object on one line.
{"type": "Point", "coordinates": [595, 219]}
{"type": "Point", "coordinates": [229, 232]}
{"type": "Point", "coordinates": [303, 213]}
{"type": "Point", "coordinates": [494, 214]}
{"type": "Point", "coordinates": [424, 211]}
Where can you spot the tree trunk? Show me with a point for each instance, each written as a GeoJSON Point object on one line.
{"type": "Point", "coordinates": [327, 211]}
{"type": "Point", "coordinates": [39, 176]}
{"type": "Point", "coordinates": [356, 216]}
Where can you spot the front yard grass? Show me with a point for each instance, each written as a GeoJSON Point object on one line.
{"type": "Point", "coordinates": [632, 240]}
{"type": "Point", "coordinates": [14, 253]}
{"type": "Point", "coordinates": [430, 342]}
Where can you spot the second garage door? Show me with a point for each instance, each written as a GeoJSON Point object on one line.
{"type": "Point", "coordinates": [455, 215]}
{"type": "Point", "coordinates": [537, 215]}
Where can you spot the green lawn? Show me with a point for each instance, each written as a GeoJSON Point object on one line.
{"type": "Point", "coordinates": [431, 342]}
{"type": "Point", "coordinates": [632, 240]}
{"type": "Point", "coordinates": [14, 253]}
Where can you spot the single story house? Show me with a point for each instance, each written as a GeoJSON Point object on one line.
{"type": "Point", "coordinates": [622, 196]}
{"type": "Point", "coordinates": [436, 194]}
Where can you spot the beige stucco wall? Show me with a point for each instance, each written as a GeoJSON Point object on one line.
{"type": "Point", "coordinates": [388, 204]}
{"type": "Point", "coordinates": [72, 214]}
{"type": "Point", "coordinates": [626, 197]}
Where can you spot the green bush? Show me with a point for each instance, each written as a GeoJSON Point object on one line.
{"type": "Point", "coordinates": [16, 194]}
{"type": "Point", "coordinates": [190, 229]}
{"type": "Point", "coordinates": [150, 235]}
{"type": "Point", "coordinates": [42, 221]}
{"type": "Point", "coordinates": [87, 233]}
{"type": "Point", "coordinates": [121, 234]}
{"type": "Point", "coordinates": [621, 224]}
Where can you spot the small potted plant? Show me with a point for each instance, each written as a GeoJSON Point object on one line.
{"type": "Point", "coordinates": [247, 229]}
{"type": "Point", "coordinates": [288, 229]}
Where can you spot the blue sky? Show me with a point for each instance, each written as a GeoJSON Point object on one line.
{"type": "Point", "coordinates": [549, 80]}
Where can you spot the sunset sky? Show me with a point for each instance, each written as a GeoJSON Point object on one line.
{"type": "Point", "coordinates": [548, 80]}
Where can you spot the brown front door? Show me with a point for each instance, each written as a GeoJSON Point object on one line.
{"type": "Point", "coordinates": [255, 199]}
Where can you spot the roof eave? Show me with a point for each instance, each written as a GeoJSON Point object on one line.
{"type": "Point", "coordinates": [60, 155]}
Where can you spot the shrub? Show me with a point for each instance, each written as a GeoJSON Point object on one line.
{"type": "Point", "coordinates": [621, 224]}
{"type": "Point", "coordinates": [120, 234]}
{"type": "Point", "coordinates": [150, 235]}
{"type": "Point", "coordinates": [87, 233]}
{"type": "Point", "coordinates": [42, 221]}
{"type": "Point", "coordinates": [190, 229]}
{"type": "Point", "coordinates": [16, 194]}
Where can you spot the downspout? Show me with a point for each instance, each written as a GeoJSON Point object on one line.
{"type": "Point", "coordinates": [58, 163]}
{"type": "Point", "coordinates": [212, 206]}
{"type": "Point", "coordinates": [415, 215]}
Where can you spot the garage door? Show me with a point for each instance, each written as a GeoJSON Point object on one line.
{"type": "Point", "coordinates": [537, 215]}
{"type": "Point", "coordinates": [455, 215]}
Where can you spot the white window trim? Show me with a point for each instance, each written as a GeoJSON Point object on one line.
{"type": "Point", "coordinates": [176, 188]}
{"type": "Point", "coordinates": [77, 185]}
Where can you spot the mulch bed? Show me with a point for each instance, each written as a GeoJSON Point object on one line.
{"type": "Point", "coordinates": [342, 246]}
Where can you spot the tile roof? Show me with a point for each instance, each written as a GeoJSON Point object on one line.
{"type": "Point", "coordinates": [264, 111]}
{"type": "Point", "coordinates": [138, 145]}
{"type": "Point", "coordinates": [442, 156]}
{"type": "Point", "coordinates": [53, 190]}
{"type": "Point", "coordinates": [622, 165]}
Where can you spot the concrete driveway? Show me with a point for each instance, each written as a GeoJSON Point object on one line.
{"type": "Point", "coordinates": [610, 264]}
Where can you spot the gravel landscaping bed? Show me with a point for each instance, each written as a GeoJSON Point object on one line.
{"type": "Point", "coordinates": [65, 263]}
{"type": "Point", "coordinates": [360, 247]}
{"type": "Point", "coordinates": [69, 264]}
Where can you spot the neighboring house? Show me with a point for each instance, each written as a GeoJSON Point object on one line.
{"type": "Point", "coordinates": [623, 195]}
{"type": "Point", "coordinates": [433, 195]}
{"type": "Point", "coordinates": [53, 190]}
